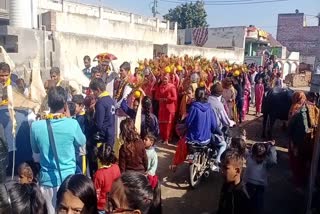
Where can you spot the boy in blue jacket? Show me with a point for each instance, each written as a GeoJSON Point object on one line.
{"type": "Point", "coordinates": [104, 111]}
{"type": "Point", "coordinates": [104, 120]}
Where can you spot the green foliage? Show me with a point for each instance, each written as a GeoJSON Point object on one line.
{"type": "Point", "coordinates": [188, 15]}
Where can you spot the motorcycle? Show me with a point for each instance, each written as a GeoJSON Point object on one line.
{"type": "Point", "coordinates": [202, 159]}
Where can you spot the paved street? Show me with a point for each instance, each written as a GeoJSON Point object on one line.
{"type": "Point", "coordinates": [178, 198]}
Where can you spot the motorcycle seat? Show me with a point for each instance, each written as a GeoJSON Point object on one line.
{"type": "Point", "coordinates": [198, 146]}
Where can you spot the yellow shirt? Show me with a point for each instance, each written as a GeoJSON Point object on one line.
{"type": "Point", "coordinates": [7, 83]}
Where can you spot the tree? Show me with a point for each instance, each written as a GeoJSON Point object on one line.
{"type": "Point", "coordinates": [188, 15]}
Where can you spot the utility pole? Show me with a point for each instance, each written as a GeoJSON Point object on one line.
{"type": "Point", "coordinates": [155, 8]}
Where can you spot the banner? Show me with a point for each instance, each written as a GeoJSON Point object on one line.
{"type": "Point", "coordinates": [200, 36]}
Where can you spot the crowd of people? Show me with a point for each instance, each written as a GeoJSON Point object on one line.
{"type": "Point", "coordinates": [96, 150]}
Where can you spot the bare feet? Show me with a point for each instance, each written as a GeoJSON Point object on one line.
{"type": "Point", "coordinates": [166, 142]}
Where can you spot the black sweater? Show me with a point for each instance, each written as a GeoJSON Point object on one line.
{"type": "Point", "coordinates": [105, 118]}
{"type": "Point", "coordinates": [234, 199]}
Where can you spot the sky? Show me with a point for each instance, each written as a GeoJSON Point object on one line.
{"type": "Point", "coordinates": [262, 15]}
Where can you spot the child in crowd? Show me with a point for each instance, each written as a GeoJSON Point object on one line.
{"type": "Point", "coordinates": [149, 141]}
{"type": "Point", "coordinates": [262, 157]}
{"type": "Point", "coordinates": [132, 154]}
{"type": "Point", "coordinates": [133, 193]}
{"type": "Point", "coordinates": [79, 110]}
{"type": "Point", "coordinates": [72, 109]}
{"type": "Point", "coordinates": [243, 134]}
{"type": "Point", "coordinates": [76, 195]}
{"type": "Point", "coordinates": [105, 175]}
{"type": "Point", "coordinates": [22, 198]}
{"type": "Point", "coordinates": [25, 173]}
{"type": "Point", "coordinates": [259, 94]}
{"type": "Point", "coordinates": [234, 197]}
{"type": "Point", "coordinates": [239, 144]}
{"type": "Point", "coordinates": [278, 81]}
{"type": "Point", "coordinates": [79, 115]}
{"type": "Point", "coordinates": [22, 87]}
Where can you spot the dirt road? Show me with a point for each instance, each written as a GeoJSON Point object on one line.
{"type": "Point", "coordinates": [178, 198]}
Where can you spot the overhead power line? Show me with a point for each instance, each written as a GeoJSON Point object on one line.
{"type": "Point", "coordinates": [217, 1]}
{"type": "Point", "coordinates": [228, 3]}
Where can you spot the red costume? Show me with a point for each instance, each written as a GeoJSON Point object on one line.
{"type": "Point", "coordinates": [174, 79]}
{"type": "Point", "coordinates": [259, 92]}
{"type": "Point", "coordinates": [181, 152]}
{"type": "Point", "coordinates": [103, 180]}
{"type": "Point", "coordinates": [166, 94]}
{"type": "Point", "coordinates": [148, 86]}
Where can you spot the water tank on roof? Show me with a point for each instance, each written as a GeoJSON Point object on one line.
{"type": "Point", "coordinates": [20, 13]}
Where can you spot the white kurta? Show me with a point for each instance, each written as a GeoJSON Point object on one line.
{"type": "Point", "coordinates": [120, 115]}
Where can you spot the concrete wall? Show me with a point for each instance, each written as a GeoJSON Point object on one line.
{"type": "Point", "coordinates": [29, 44]}
{"type": "Point", "coordinates": [290, 64]}
{"type": "Point", "coordinates": [71, 48]}
{"type": "Point", "coordinates": [89, 25]}
{"type": "Point", "coordinates": [220, 37]}
{"type": "Point", "coordinates": [236, 55]}
{"type": "Point", "coordinates": [105, 22]}
{"type": "Point", "coordinates": [293, 34]}
{"type": "Point", "coordinates": [66, 50]}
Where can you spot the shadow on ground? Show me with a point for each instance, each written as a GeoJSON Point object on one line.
{"type": "Point", "coordinates": [178, 198]}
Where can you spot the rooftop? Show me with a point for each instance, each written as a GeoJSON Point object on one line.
{"type": "Point", "coordinates": [291, 14]}
{"type": "Point", "coordinates": [273, 42]}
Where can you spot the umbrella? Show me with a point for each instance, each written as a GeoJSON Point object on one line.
{"type": "Point", "coordinates": [105, 57]}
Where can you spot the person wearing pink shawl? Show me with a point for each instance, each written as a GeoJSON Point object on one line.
{"type": "Point", "coordinates": [246, 101]}
{"type": "Point", "coordinates": [259, 93]}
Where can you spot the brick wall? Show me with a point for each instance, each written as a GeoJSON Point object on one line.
{"type": "Point", "coordinates": [292, 34]}
{"type": "Point", "coordinates": [49, 20]}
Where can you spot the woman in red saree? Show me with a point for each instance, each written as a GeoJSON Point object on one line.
{"type": "Point", "coordinates": [166, 94]}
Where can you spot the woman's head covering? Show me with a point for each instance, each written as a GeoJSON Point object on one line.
{"type": "Point", "coordinates": [298, 100]}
